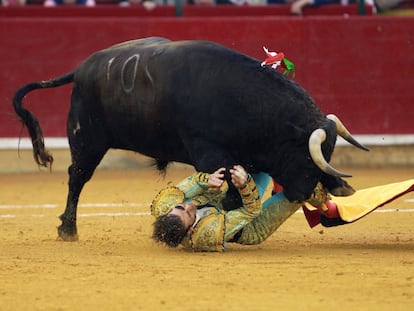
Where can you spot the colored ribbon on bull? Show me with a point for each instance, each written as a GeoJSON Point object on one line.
{"type": "Point", "coordinates": [279, 62]}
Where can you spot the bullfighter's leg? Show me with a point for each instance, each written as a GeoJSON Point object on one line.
{"type": "Point", "coordinates": [276, 210]}
{"type": "Point", "coordinates": [262, 181]}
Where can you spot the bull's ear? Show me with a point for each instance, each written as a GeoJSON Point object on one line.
{"type": "Point", "coordinates": [342, 191]}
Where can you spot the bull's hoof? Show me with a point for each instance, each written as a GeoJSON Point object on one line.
{"type": "Point", "coordinates": [63, 235]}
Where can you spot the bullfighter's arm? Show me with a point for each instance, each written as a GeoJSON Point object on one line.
{"type": "Point", "coordinates": [239, 218]}
{"type": "Point", "coordinates": [196, 188]}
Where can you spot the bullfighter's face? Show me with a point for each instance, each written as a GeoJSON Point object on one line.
{"type": "Point", "coordinates": [187, 213]}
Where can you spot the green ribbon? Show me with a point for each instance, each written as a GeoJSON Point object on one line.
{"type": "Point", "coordinates": [290, 67]}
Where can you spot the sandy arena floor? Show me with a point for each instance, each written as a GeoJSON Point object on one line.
{"type": "Point", "coordinates": [368, 265]}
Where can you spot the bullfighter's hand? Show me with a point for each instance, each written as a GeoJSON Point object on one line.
{"type": "Point", "coordinates": [238, 176]}
{"type": "Point", "coordinates": [216, 180]}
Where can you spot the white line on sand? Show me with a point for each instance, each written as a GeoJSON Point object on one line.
{"type": "Point", "coordinates": [18, 206]}
{"type": "Point", "coordinates": [104, 205]}
{"type": "Point", "coordinates": [121, 214]}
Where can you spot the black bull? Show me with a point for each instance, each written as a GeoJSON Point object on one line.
{"type": "Point", "coordinates": [194, 102]}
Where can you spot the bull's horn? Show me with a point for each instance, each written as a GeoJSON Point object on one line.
{"type": "Point", "coordinates": [316, 139]}
{"type": "Point", "coordinates": [344, 133]}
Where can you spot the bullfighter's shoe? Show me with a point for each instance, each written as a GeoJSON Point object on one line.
{"type": "Point", "coordinates": [328, 209]}
{"type": "Point", "coordinates": [330, 217]}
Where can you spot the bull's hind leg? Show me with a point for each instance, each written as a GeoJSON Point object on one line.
{"type": "Point", "coordinates": [80, 172]}
{"type": "Point", "coordinates": [88, 144]}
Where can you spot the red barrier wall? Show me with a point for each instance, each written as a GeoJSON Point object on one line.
{"type": "Point", "coordinates": [359, 67]}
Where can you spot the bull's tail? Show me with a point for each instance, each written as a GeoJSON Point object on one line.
{"type": "Point", "coordinates": [40, 154]}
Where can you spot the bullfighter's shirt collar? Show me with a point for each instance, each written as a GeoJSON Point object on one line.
{"type": "Point", "coordinates": [202, 212]}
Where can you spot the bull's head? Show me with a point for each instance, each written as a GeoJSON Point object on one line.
{"type": "Point", "coordinates": [300, 177]}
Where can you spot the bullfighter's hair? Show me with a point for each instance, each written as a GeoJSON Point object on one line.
{"type": "Point", "coordinates": [169, 229]}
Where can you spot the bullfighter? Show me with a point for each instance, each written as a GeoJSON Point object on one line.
{"type": "Point", "coordinates": [191, 214]}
